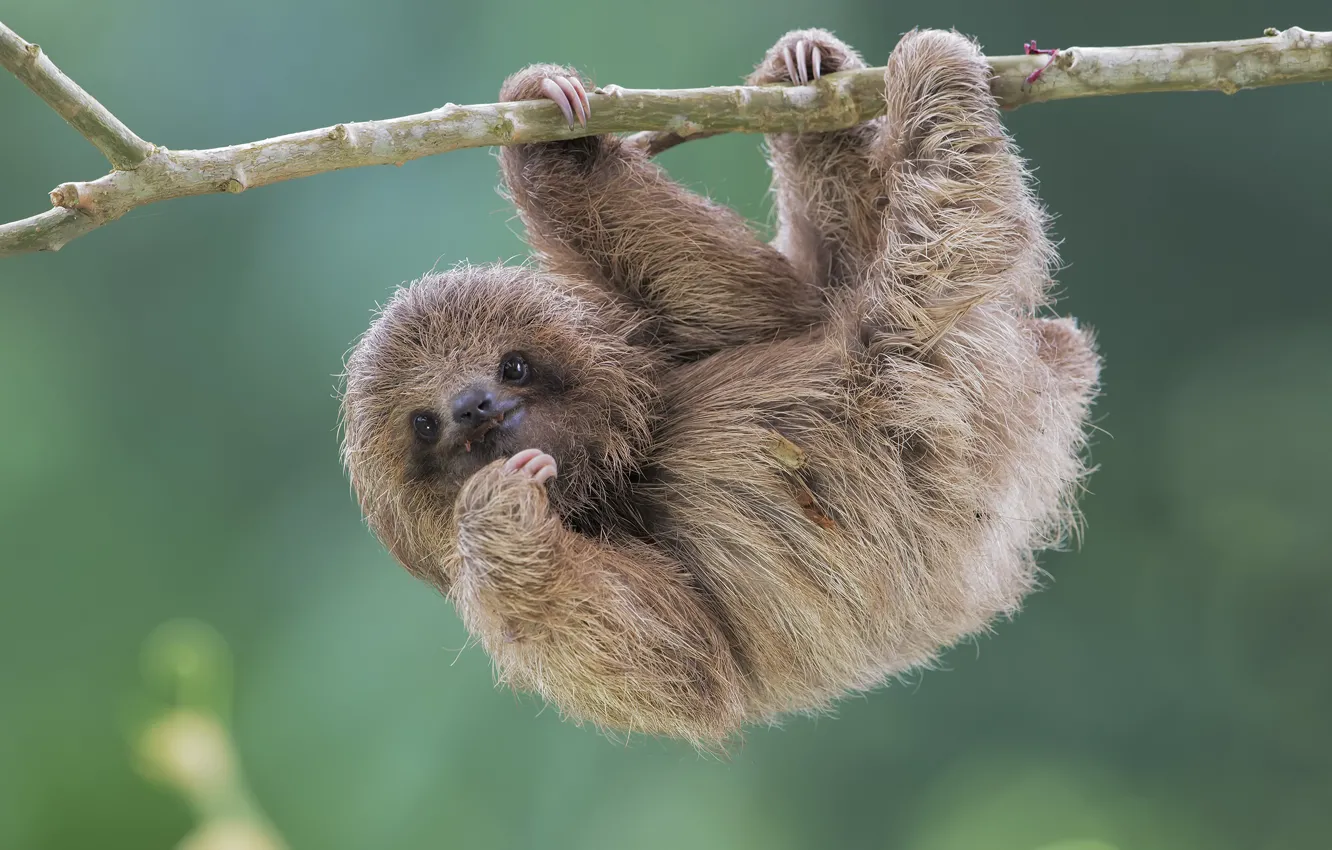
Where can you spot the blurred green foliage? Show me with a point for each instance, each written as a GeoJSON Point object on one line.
{"type": "Point", "coordinates": [168, 448]}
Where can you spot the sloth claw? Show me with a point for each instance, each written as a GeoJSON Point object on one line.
{"type": "Point", "coordinates": [570, 96]}
{"type": "Point", "coordinates": [805, 64]}
{"type": "Point", "coordinates": [533, 464]}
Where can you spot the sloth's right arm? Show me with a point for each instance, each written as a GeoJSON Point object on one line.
{"type": "Point", "coordinates": [598, 209]}
{"type": "Point", "coordinates": [612, 633]}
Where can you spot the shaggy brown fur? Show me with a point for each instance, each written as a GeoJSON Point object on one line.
{"type": "Point", "coordinates": [679, 576]}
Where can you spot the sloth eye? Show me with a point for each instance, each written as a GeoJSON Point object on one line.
{"type": "Point", "coordinates": [514, 369]}
{"type": "Point", "coordinates": [426, 426]}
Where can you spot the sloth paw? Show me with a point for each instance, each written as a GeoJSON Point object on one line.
{"type": "Point", "coordinates": [569, 95]}
{"type": "Point", "coordinates": [550, 82]}
{"type": "Point", "coordinates": [803, 56]}
{"type": "Point", "coordinates": [804, 62]}
{"type": "Point", "coordinates": [533, 464]}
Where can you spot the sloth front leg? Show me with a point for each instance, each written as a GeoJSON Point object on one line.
{"type": "Point", "coordinates": [963, 225]}
{"type": "Point", "coordinates": [600, 210]}
{"type": "Point", "coordinates": [616, 634]}
{"type": "Point", "coordinates": [828, 224]}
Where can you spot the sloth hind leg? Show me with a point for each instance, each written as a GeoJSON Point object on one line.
{"type": "Point", "coordinates": [961, 226]}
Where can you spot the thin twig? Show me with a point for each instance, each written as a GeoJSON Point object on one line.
{"type": "Point", "coordinates": [669, 115]}
{"type": "Point", "coordinates": [27, 62]}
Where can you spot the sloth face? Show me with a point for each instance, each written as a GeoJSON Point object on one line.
{"type": "Point", "coordinates": [470, 412]}
{"type": "Point", "coordinates": [481, 418]}
{"type": "Point", "coordinates": [477, 364]}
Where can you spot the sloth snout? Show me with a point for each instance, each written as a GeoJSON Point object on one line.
{"type": "Point", "coordinates": [474, 406]}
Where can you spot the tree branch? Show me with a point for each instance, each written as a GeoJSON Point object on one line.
{"type": "Point", "coordinates": [669, 115]}
{"type": "Point", "coordinates": [27, 62]}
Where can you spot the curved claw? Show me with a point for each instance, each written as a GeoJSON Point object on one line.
{"type": "Point", "coordinates": [542, 469]}
{"type": "Point", "coordinates": [574, 100]}
{"type": "Point", "coordinates": [519, 460]}
{"type": "Point", "coordinates": [570, 96]}
{"type": "Point", "coordinates": [553, 91]}
{"type": "Point", "coordinates": [534, 464]}
{"type": "Point", "coordinates": [582, 94]}
{"type": "Point", "coordinates": [804, 64]}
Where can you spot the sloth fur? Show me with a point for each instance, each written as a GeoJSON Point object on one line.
{"type": "Point", "coordinates": [786, 472]}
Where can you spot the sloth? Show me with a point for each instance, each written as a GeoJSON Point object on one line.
{"type": "Point", "coordinates": [677, 480]}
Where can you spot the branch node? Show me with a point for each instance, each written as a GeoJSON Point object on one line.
{"type": "Point", "coordinates": [505, 129]}
{"type": "Point", "coordinates": [66, 195]}
{"type": "Point", "coordinates": [343, 133]}
{"type": "Point", "coordinates": [233, 185]}
{"type": "Point", "coordinates": [1271, 32]}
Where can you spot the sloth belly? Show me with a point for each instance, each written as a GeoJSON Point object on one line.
{"type": "Point", "coordinates": [767, 492]}
{"type": "Point", "coordinates": [834, 553]}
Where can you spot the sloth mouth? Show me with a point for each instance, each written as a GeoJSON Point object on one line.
{"type": "Point", "coordinates": [488, 433]}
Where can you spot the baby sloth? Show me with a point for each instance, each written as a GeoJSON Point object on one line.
{"type": "Point", "coordinates": [678, 480]}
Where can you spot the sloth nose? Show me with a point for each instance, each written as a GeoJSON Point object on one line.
{"type": "Point", "coordinates": [473, 407]}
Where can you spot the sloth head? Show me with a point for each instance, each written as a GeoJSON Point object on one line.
{"type": "Point", "coordinates": [476, 364]}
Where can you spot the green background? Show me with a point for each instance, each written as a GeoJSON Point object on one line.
{"type": "Point", "coordinates": [168, 448]}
